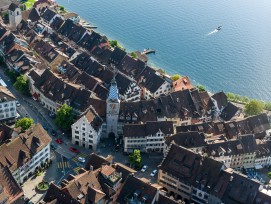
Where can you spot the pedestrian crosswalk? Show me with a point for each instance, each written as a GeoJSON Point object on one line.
{"type": "Point", "coordinates": [75, 159]}
{"type": "Point", "coordinates": [63, 165]}
{"type": "Point", "coordinates": [76, 170]}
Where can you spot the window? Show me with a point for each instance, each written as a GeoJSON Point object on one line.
{"type": "Point", "coordinates": [83, 129]}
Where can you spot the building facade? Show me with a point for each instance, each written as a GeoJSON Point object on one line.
{"type": "Point", "coordinates": [7, 104]}
{"type": "Point", "coordinates": [86, 132]}
{"type": "Point", "coordinates": [148, 137]}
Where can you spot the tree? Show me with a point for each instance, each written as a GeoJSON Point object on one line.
{"type": "Point", "coordinates": [64, 117]}
{"type": "Point", "coordinates": [24, 123]}
{"type": "Point", "coordinates": [5, 15]}
{"type": "Point", "coordinates": [21, 85]}
{"type": "Point", "coordinates": [269, 175]}
{"type": "Point", "coordinates": [201, 88]}
{"type": "Point", "coordinates": [62, 8]}
{"type": "Point", "coordinates": [135, 158]}
{"type": "Point", "coordinates": [175, 77]}
{"type": "Point", "coordinates": [267, 106]}
{"type": "Point", "coordinates": [115, 43]}
{"type": "Point", "coordinates": [230, 96]}
{"type": "Point", "coordinates": [254, 107]}
{"type": "Point", "coordinates": [133, 55]}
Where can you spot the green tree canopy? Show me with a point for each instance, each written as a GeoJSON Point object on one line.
{"type": "Point", "coordinates": [201, 88]}
{"type": "Point", "coordinates": [135, 158]}
{"type": "Point", "coordinates": [254, 107]}
{"type": "Point", "coordinates": [21, 85]}
{"type": "Point", "coordinates": [62, 8]}
{"type": "Point", "coordinates": [267, 106]}
{"type": "Point", "coordinates": [64, 117]}
{"type": "Point", "coordinates": [24, 123]}
{"type": "Point", "coordinates": [269, 175]}
{"type": "Point", "coordinates": [133, 55]}
{"type": "Point", "coordinates": [175, 77]}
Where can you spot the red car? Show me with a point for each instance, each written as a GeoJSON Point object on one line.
{"type": "Point", "coordinates": [58, 141]}
{"type": "Point", "coordinates": [73, 150]}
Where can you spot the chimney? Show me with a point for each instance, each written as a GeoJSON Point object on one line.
{"type": "Point", "coordinates": [90, 167]}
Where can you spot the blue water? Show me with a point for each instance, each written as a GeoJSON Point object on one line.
{"type": "Point", "coordinates": [236, 59]}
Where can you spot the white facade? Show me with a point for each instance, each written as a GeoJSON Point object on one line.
{"type": "Point", "coordinates": [7, 109]}
{"type": "Point", "coordinates": [84, 135]}
{"type": "Point", "coordinates": [165, 89]}
{"type": "Point", "coordinates": [132, 93]}
{"type": "Point", "coordinates": [15, 17]}
{"type": "Point", "coordinates": [149, 143]}
{"type": "Point", "coordinates": [22, 173]}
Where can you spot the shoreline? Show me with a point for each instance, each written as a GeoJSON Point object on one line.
{"type": "Point", "coordinates": [154, 65]}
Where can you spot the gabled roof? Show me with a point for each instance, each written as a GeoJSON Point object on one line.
{"type": "Point", "coordinates": [94, 119]}
{"type": "Point", "coordinates": [58, 90]}
{"type": "Point", "coordinates": [150, 79]}
{"type": "Point", "coordinates": [187, 139]}
{"type": "Point", "coordinates": [132, 67]}
{"type": "Point", "coordinates": [96, 161]}
{"type": "Point", "coordinates": [182, 163]}
{"type": "Point", "coordinates": [48, 15]}
{"type": "Point", "coordinates": [145, 192]}
{"type": "Point", "coordinates": [6, 95]}
{"type": "Point", "coordinates": [117, 56]}
{"type": "Point", "coordinates": [9, 187]}
{"type": "Point", "coordinates": [57, 23]}
{"type": "Point", "coordinates": [24, 147]}
{"type": "Point", "coordinates": [46, 50]}
{"type": "Point", "coordinates": [71, 30]}
{"type": "Point", "coordinates": [221, 99]}
{"type": "Point", "coordinates": [31, 14]}
{"type": "Point", "coordinates": [241, 190]}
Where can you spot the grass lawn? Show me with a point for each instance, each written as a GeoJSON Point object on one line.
{"type": "Point", "coordinates": [29, 3]}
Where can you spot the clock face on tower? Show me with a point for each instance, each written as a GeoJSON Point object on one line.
{"type": "Point", "coordinates": [112, 109]}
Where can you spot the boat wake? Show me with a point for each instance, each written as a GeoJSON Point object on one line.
{"type": "Point", "coordinates": [213, 32]}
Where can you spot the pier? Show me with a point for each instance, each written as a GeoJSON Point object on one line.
{"type": "Point", "coordinates": [148, 51]}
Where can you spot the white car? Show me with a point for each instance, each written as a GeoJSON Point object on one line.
{"type": "Point", "coordinates": [153, 172]}
{"type": "Point", "coordinates": [81, 159]}
{"type": "Point", "coordinates": [144, 168]}
{"type": "Point", "coordinates": [17, 103]}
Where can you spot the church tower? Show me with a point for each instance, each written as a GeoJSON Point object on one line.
{"type": "Point", "coordinates": [112, 110]}
{"type": "Point", "coordinates": [15, 16]}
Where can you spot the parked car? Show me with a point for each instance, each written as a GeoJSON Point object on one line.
{"type": "Point", "coordinates": [81, 159]}
{"type": "Point", "coordinates": [144, 168]}
{"type": "Point", "coordinates": [54, 133]}
{"type": "Point", "coordinates": [58, 141]}
{"type": "Point", "coordinates": [154, 172]}
{"type": "Point", "coordinates": [74, 150]}
{"type": "Point", "coordinates": [44, 126]}
{"type": "Point", "coordinates": [52, 115]}
{"type": "Point", "coordinates": [53, 146]}
{"type": "Point", "coordinates": [117, 148]}
{"type": "Point", "coordinates": [18, 104]}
